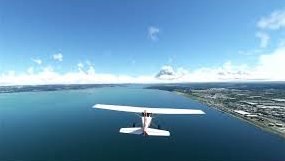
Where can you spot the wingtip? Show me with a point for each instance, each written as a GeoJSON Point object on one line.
{"type": "Point", "coordinates": [98, 105]}
{"type": "Point", "coordinates": [95, 106]}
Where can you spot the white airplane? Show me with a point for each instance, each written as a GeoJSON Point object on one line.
{"type": "Point", "coordinates": [146, 113]}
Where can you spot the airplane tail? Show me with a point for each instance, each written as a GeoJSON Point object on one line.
{"type": "Point", "coordinates": [149, 131]}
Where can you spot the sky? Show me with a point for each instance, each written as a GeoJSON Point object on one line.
{"type": "Point", "coordinates": [110, 41]}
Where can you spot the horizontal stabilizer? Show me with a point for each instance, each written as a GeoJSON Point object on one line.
{"type": "Point", "coordinates": [157, 132]}
{"type": "Point", "coordinates": [132, 130]}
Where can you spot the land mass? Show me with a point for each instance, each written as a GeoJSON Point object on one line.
{"type": "Point", "coordinates": [59, 87]}
{"type": "Point", "coordinates": [262, 107]}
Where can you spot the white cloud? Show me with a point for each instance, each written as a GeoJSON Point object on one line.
{"type": "Point", "coordinates": [49, 76]}
{"type": "Point", "coordinates": [11, 73]}
{"type": "Point", "coordinates": [153, 33]}
{"type": "Point", "coordinates": [227, 72]}
{"type": "Point", "coordinates": [274, 21]}
{"type": "Point", "coordinates": [88, 66]}
{"type": "Point", "coordinates": [91, 70]}
{"type": "Point", "coordinates": [38, 61]}
{"type": "Point", "coordinates": [80, 66]}
{"type": "Point", "coordinates": [270, 67]}
{"type": "Point", "coordinates": [57, 57]}
{"type": "Point", "coordinates": [167, 73]}
{"type": "Point", "coordinates": [30, 70]}
{"type": "Point", "coordinates": [264, 38]}
{"type": "Point", "coordinates": [249, 52]}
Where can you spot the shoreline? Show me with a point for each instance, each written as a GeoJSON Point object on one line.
{"type": "Point", "coordinates": [231, 113]}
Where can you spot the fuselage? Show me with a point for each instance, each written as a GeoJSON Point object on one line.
{"type": "Point", "coordinates": [146, 121]}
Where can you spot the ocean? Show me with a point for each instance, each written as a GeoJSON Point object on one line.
{"type": "Point", "coordinates": [62, 126]}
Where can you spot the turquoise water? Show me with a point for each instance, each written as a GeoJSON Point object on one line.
{"type": "Point", "coordinates": [62, 126]}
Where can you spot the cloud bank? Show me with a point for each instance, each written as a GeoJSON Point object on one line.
{"type": "Point", "coordinates": [270, 67]}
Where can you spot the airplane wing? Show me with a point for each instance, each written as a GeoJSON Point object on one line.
{"type": "Point", "coordinates": [147, 109]}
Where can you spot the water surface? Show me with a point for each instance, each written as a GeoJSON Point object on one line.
{"type": "Point", "coordinates": [62, 126]}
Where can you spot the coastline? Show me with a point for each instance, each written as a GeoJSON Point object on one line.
{"type": "Point", "coordinates": [231, 113]}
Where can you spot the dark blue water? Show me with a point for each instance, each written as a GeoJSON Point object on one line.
{"type": "Point", "coordinates": [62, 126]}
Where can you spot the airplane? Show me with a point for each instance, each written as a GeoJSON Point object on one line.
{"type": "Point", "coordinates": [146, 117]}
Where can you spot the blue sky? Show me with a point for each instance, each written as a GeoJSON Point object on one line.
{"type": "Point", "coordinates": [115, 37]}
